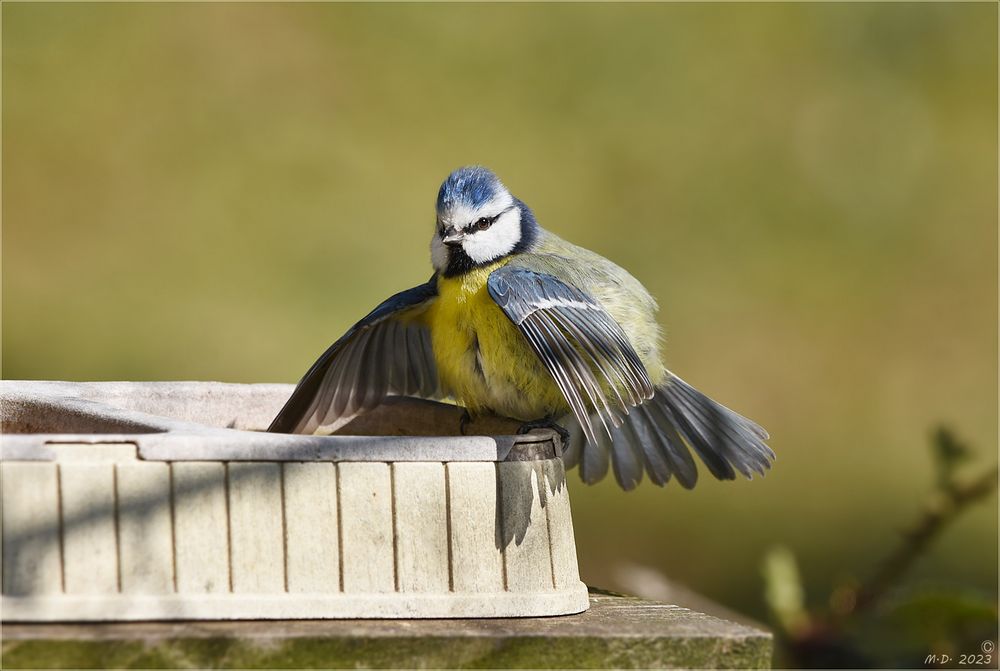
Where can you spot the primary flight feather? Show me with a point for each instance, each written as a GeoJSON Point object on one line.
{"type": "Point", "coordinates": [518, 322]}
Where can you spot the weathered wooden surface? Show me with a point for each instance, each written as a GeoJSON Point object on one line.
{"type": "Point", "coordinates": [617, 632]}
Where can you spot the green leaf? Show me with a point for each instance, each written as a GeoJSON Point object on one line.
{"type": "Point", "coordinates": [783, 589]}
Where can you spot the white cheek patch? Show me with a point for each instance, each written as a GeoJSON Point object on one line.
{"type": "Point", "coordinates": [496, 241]}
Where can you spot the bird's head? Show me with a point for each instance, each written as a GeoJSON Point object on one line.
{"type": "Point", "coordinates": [478, 222]}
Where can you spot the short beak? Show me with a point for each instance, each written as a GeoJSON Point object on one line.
{"type": "Point", "coordinates": [452, 237]}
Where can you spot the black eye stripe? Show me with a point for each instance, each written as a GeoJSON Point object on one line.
{"type": "Point", "coordinates": [483, 223]}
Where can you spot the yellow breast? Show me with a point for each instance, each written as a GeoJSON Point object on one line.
{"type": "Point", "coordinates": [481, 356]}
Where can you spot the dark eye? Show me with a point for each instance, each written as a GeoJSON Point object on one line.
{"type": "Point", "coordinates": [484, 223]}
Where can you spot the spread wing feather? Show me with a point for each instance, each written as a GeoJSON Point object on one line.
{"type": "Point", "coordinates": [386, 353]}
{"type": "Point", "coordinates": [581, 345]}
{"type": "Point", "coordinates": [663, 432]}
{"type": "Point", "coordinates": [645, 428]}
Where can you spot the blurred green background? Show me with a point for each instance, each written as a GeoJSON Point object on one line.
{"type": "Point", "coordinates": [217, 191]}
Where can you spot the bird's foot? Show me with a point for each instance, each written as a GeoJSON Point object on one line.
{"type": "Point", "coordinates": [463, 423]}
{"type": "Point", "coordinates": [546, 423]}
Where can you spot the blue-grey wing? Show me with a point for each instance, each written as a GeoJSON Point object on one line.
{"type": "Point", "coordinates": [386, 353]}
{"type": "Point", "coordinates": [581, 345]}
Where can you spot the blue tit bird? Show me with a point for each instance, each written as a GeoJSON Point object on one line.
{"type": "Point", "coordinates": [521, 323]}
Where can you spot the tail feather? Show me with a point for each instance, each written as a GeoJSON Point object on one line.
{"type": "Point", "coordinates": [739, 440]}
{"type": "Point", "coordinates": [695, 435]}
{"type": "Point", "coordinates": [626, 455]}
{"type": "Point", "coordinates": [653, 451]}
{"type": "Point", "coordinates": [572, 451]}
{"type": "Point", "coordinates": [594, 458]}
{"type": "Point", "coordinates": [659, 436]}
{"type": "Point", "coordinates": [674, 448]}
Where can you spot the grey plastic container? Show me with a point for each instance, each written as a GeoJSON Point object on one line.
{"type": "Point", "coordinates": [165, 500]}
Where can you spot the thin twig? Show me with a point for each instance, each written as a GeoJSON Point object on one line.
{"type": "Point", "coordinates": [937, 515]}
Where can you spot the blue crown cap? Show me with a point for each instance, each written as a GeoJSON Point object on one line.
{"type": "Point", "coordinates": [471, 186]}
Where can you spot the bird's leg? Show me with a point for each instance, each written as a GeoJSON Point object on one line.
{"type": "Point", "coordinates": [546, 423]}
{"type": "Point", "coordinates": [464, 422]}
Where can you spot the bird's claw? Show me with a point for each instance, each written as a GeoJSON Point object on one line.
{"type": "Point", "coordinates": [464, 421]}
{"type": "Point", "coordinates": [546, 423]}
